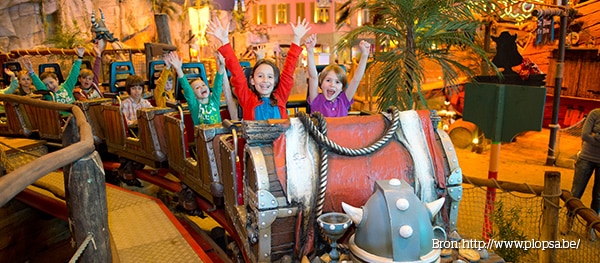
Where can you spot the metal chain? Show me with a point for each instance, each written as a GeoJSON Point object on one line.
{"type": "Point", "coordinates": [336, 148]}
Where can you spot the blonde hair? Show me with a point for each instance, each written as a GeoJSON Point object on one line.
{"type": "Point", "coordinates": [84, 73]}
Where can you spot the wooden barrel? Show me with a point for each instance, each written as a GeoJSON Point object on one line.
{"type": "Point", "coordinates": [462, 133]}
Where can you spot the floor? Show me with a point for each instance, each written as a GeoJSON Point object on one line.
{"type": "Point", "coordinates": [524, 160]}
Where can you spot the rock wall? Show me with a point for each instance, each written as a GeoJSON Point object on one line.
{"type": "Point", "coordinates": [20, 24]}
{"type": "Point", "coordinates": [132, 21]}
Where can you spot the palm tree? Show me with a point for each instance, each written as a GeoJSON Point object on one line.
{"type": "Point", "coordinates": [410, 34]}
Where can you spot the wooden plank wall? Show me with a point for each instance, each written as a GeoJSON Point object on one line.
{"type": "Point", "coordinates": [32, 236]}
{"type": "Point", "coordinates": [580, 78]}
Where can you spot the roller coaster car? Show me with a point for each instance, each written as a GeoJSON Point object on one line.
{"type": "Point", "coordinates": [200, 171]}
{"type": "Point", "coordinates": [16, 122]}
{"type": "Point", "coordinates": [47, 123]}
{"type": "Point", "coordinates": [147, 146]}
{"type": "Point", "coordinates": [284, 161]}
{"type": "Point", "coordinates": [92, 109]}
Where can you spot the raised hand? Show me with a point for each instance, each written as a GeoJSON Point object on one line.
{"type": "Point", "coordinates": [220, 62]}
{"type": "Point", "coordinates": [365, 47]}
{"type": "Point", "coordinates": [300, 29]}
{"type": "Point", "coordinates": [27, 64]}
{"type": "Point", "coordinates": [9, 73]}
{"type": "Point", "coordinates": [260, 52]}
{"type": "Point", "coordinates": [99, 47]}
{"type": "Point", "coordinates": [176, 62]}
{"type": "Point", "coordinates": [216, 29]}
{"type": "Point", "coordinates": [80, 51]}
{"type": "Point", "coordinates": [167, 61]}
{"type": "Point", "coordinates": [310, 42]}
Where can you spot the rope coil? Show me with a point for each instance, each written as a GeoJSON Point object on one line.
{"type": "Point", "coordinates": [352, 152]}
{"type": "Point", "coordinates": [319, 134]}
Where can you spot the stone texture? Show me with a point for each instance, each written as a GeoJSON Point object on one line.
{"type": "Point", "coordinates": [6, 28]}
{"type": "Point", "coordinates": [50, 6]}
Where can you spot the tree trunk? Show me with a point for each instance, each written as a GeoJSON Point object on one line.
{"type": "Point", "coordinates": [162, 28]}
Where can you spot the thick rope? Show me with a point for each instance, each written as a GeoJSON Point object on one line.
{"type": "Point", "coordinates": [319, 134]}
{"type": "Point", "coordinates": [336, 148]}
{"type": "Point", "coordinates": [324, 167]}
{"type": "Point", "coordinates": [82, 247]}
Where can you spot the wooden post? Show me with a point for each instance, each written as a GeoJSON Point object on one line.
{"type": "Point", "coordinates": [549, 229]}
{"type": "Point", "coordinates": [496, 136]}
{"type": "Point", "coordinates": [85, 192]}
{"type": "Point", "coordinates": [162, 28]}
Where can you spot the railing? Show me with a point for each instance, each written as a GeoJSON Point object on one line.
{"type": "Point", "coordinates": [540, 216]}
{"type": "Point", "coordinates": [84, 178]}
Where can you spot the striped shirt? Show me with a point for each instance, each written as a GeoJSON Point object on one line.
{"type": "Point", "coordinates": [130, 107]}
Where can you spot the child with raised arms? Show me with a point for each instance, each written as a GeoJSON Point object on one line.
{"type": "Point", "coordinates": [265, 94]}
{"type": "Point", "coordinates": [164, 92]}
{"type": "Point", "coordinates": [337, 94]}
{"type": "Point", "coordinates": [204, 105]}
{"type": "Point", "coordinates": [88, 79]}
{"type": "Point", "coordinates": [63, 92]}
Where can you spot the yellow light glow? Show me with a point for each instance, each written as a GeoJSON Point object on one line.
{"type": "Point", "coordinates": [199, 17]}
{"type": "Point", "coordinates": [193, 52]}
{"type": "Point", "coordinates": [359, 19]}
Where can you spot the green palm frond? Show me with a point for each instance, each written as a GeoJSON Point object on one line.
{"type": "Point", "coordinates": [440, 32]}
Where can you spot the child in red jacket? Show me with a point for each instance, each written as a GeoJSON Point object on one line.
{"type": "Point", "coordinates": [265, 94]}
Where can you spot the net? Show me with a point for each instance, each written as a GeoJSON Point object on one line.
{"type": "Point", "coordinates": [521, 217]}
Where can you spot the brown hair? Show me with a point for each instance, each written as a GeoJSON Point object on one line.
{"type": "Point", "coordinates": [133, 80]}
{"type": "Point", "coordinates": [48, 74]}
{"type": "Point", "coordinates": [339, 72]}
{"type": "Point", "coordinates": [276, 77]}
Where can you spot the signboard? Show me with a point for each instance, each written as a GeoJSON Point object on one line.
{"type": "Point", "coordinates": [545, 31]}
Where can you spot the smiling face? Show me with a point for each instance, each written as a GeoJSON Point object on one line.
{"type": "Point", "coordinates": [51, 83]}
{"type": "Point", "coordinates": [201, 90]}
{"type": "Point", "coordinates": [332, 81]}
{"type": "Point", "coordinates": [331, 85]}
{"type": "Point", "coordinates": [263, 80]}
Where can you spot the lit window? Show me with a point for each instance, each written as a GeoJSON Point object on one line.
{"type": "Point", "coordinates": [281, 13]}
{"type": "Point", "coordinates": [300, 11]}
{"type": "Point", "coordinates": [320, 14]}
{"type": "Point", "coordinates": [260, 13]}
{"type": "Point", "coordinates": [366, 15]}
